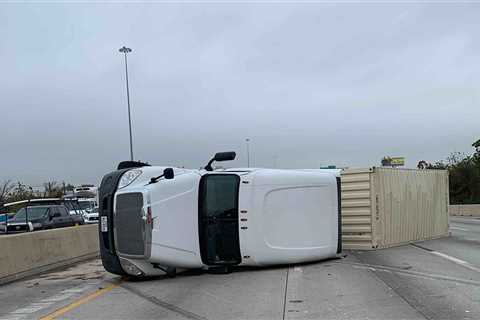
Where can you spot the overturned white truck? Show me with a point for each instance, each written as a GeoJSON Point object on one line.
{"type": "Point", "coordinates": [156, 219]}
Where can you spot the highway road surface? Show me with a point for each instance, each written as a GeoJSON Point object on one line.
{"type": "Point", "coordinates": [437, 279]}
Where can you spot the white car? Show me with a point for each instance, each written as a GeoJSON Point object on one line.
{"type": "Point", "coordinates": [155, 219]}
{"type": "Point", "coordinates": [91, 216]}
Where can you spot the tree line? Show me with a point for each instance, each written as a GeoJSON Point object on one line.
{"type": "Point", "coordinates": [463, 173]}
{"type": "Point", "coordinates": [16, 191]}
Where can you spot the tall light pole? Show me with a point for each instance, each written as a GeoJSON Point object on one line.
{"type": "Point", "coordinates": [248, 152]}
{"type": "Point", "coordinates": [126, 50]}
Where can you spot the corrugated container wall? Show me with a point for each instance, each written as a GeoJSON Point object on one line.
{"type": "Point", "coordinates": [385, 207]}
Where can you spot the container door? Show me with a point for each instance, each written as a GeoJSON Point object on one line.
{"type": "Point", "coordinates": [218, 219]}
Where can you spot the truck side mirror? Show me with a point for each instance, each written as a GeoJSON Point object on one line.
{"type": "Point", "coordinates": [225, 156]}
{"type": "Point", "coordinates": [221, 156]}
{"type": "Point", "coordinates": [168, 173]}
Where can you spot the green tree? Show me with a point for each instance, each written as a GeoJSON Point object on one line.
{"type": "Point", "coordinates": [52, 189]}
{"type": "Point", "coordinates": [20, 192]}
{"type": "Point", "coordinates": [464, 175]}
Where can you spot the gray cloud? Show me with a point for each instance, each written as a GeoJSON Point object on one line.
{"type": "Point", "coordinates": [310, 84]}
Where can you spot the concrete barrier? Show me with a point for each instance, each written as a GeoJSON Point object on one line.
{"type": "Point", "coordinates": [468, 210]}
{"type": "Point", "coordinates": [27, 254]}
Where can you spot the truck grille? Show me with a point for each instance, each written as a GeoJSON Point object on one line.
{"type": "Point", "coordinates": [129, 225]}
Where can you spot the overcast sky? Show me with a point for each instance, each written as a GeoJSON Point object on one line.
{"type": "Point", "coordinates": [309, 84]}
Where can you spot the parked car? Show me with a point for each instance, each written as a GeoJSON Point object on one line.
{"type": "Point", "coordinates": [91, 216]}
{"type": "Point", "coordinates": [71, 203]}
{"type": "Point", "coordinates": [42, 217]}
{"type": "Point", "coordinates": [3, 216]}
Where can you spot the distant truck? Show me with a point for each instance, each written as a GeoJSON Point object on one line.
{"type": "Point", "coordinates": [85, 191]}
{"type": "Point", "coordinates": [156, 219]}
{"type": "Point", "coordinates": [41, 218]}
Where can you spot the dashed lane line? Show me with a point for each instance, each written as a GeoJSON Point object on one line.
{"type": "Point", "coordinates": [457, 228]}
{"type": "Point", "coordinates": [457, 261]}
{"type": "Point", "coordinates": [411, 273]}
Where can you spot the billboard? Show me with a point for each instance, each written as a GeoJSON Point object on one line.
{"type": "Point", "coordinates": [393, 161]}
{"type": "Point", "coordinates": [397, 161]}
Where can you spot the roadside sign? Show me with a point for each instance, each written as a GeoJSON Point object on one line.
{"type": "Point", "coordinates": [397, 161]}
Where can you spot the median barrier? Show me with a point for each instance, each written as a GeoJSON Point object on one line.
{"type": "Point", "coordinates": [26, 254]}
{"type": "Point", "coordinates": [465, 210]}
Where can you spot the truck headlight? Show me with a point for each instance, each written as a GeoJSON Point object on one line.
{"type": "Point", "coordinates": [130, 268]}
{"type": "Point", "coordinates": [128, 177]}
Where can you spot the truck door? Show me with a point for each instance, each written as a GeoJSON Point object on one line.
{"type": "Point", "coordinates": [218, 219]}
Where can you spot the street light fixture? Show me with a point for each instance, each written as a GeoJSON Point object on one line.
{"type": "Point", "coordinates": [248, 152]}
{"type": "Point", "coordinates": [126, 50]}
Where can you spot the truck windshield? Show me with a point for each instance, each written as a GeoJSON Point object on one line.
{"type": "Point", "coordinates": [218, 219]}
{"type": "Point", "coordinates": [33, 213]}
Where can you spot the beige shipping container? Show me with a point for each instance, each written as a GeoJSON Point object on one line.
{"type": "Point", "coordinates": [385, 207]}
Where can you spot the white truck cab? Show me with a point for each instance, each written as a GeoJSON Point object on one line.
{"type": "Point", "coordinates": [154, 219]}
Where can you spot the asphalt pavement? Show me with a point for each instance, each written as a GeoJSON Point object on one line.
{"type": "Point", "coordinates": [437, 279]}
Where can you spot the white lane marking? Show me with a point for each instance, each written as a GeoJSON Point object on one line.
{"type": "Point", "coordinates": [411, 273]}
{"type": "Point", "coordinates": [58, 297]}
{"type": "Point", "coordinates": [457, 228]}
{"type": "Point", "coordinates": [74, 290]}
{"type": "Point", "coordinates": [26, 311]}
{"type": "Point", "coordinates": [15, 317]}
{"type": "Point", "coordinates": [29, 309]}
{"type": "Point", "coordinates": [456, 260]}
